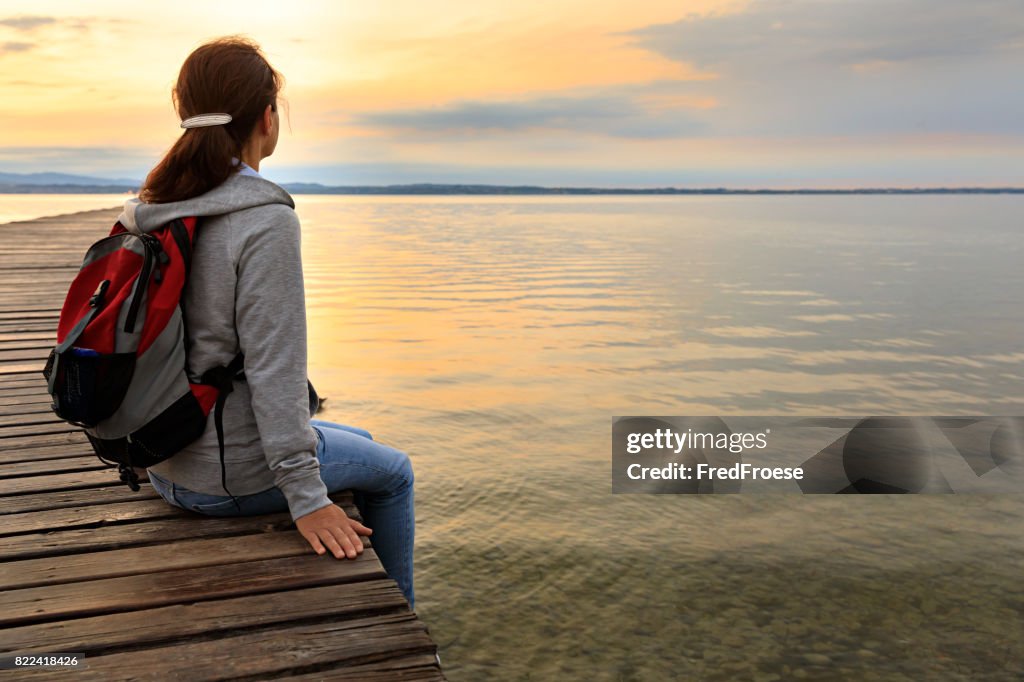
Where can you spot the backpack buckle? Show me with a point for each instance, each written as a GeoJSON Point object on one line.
{"type": "Point", "coordinates": [97, 296]}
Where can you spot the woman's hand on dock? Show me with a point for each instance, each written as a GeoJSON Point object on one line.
{"type": "Point", "coordinates": [330, 528]}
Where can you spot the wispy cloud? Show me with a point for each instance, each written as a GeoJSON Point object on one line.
{"type": "Point", "coordinates": [807, 68]}
{"type": "Point", "coordinates": [771, 33]}
{"type": "Point", "coordinates": [16, 46]}
{"type": "Point", "coordinates": [22, 83]}
{"type": "Point", "coordinates": [612, 114]}
{"type": "Point", "coordinates": [26, 23]}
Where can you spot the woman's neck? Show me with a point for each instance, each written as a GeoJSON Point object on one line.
{"type": "Point", "coordinates": [251, 163]}
{"type": "Point", "coordinates": [251, 155]}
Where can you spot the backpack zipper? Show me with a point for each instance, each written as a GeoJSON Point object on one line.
{"type": "Point", "coordinates": [143, 280]}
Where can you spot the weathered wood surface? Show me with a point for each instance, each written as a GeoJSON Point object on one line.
{"type": "Point", "coordinates": [145, 590]}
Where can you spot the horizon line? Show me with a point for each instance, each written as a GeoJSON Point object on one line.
{"type": "Point", "coordinates": [485, 188]}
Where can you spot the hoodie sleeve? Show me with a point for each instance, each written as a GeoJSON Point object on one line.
{"type": "Point", "coordinates": [270, 316]}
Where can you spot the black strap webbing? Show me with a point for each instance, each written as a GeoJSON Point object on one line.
{"type": "Point", "coordinates": [223, 378]}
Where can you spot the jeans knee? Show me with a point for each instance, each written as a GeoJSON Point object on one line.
{"type": "Point", "coordinates": [404, 470]}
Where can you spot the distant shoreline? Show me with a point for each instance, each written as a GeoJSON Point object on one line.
{"type": "Point", "coordinates": [517, 190]}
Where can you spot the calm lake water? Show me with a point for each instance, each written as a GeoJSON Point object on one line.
{"type": "Point", "coordinates": [494, 339]}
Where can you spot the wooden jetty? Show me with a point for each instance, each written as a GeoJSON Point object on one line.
{"type": "Point", "coordinates": [144, 590]}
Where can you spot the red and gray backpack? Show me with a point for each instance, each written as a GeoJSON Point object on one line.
{"type": "Point", "coordinates": [119, 367]}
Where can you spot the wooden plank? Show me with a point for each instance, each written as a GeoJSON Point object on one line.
{"type": "Point", "coordinates": [260, 655]}
{"type": "Point", "coordinates": [16, 380]}
{"type": "Point", "coordinates": [21, 368]}
{"type": "Point", "coordinates": [44, 259]}
{"type": "Point", "coordinates": [134, 592]}
{"type": "Point", "coordinates": [59, 266]}
{"type": "Point", "coordinates": [27, 308]}
{"type": "Point", "coordinates": [28, 302]}
{"type": "Point", "coordinates": [74, 481]}
{"type": "Point", "coordinates": [32, 454]}
{"type": "Point", "coordinates": [21, 295]}
{"type": "Point", "coordinates": [32, 429]}
{"type": "Point", "coordinates": [39, 415]}
{"type": "Point", "coordinates": [29, 337]}
{"type": "Point", "coordinates": [39, 447]}
{"type": "Point", "coordinates": [51, 466]}
{"type": "Point", "coordinates": [74, 498]}
{"type": "Point", "coordinates": [30, 295]}
{"type": "Point", "coordinates": [11, 383]}
{"type": "Point", "coordinates": [37, 430]}
{"type": "Point", "coordinates": [50, 314]}
{"type": "Point", "coordinates": [9, 402]}
{"type": "Point", "coordinates": [33, 354]}
{"type": "Point", "coordinates": [14, 294]}
{"type": "Point", "coordinates": [14, 396]}
{"type": "Point", "coordinates": [69, 518]}
{"type": "Point", "coordinates": [28, 313]}
{"type": "Point", "coordinates": [25, 311]}
{"type": "Point", "coordinates": [17, 280]}
{"type": "Point", "coordinates": [151, 559]}
{"type": "Point", "coordinates": [22, 389]}
{"type": "Point", "coordinates": [111, 632]}
{"type": "Point", "coordinates": [35, 412]}
{"type": "Point", "coordinates": [62, 499]}
{"type": "Point", "coordinates": [387, 674]}
{"type": "Point", "coordinates": [175, 526]}
{"type": "Point", "coordinates": [20, 443]}
{"type": "Point", "coordinates": [411, 668]}
{"type": "Point", "coordinates": [41, 345]}
{"type": "Point", "coordinates": [31, 323]}
{"type": "Point", "coordinates": [34, 327]}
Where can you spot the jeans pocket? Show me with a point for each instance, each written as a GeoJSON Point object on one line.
{"type": "Point", "coordinates": [269, 501]}
{"type": "Point", "coordinates": [163, 488]}
{"type": "Point", "coordinates": [219, 508]}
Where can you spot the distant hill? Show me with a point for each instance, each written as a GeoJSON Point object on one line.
{"type": "Point", "coordinates": [62, 179]}
{"type": "Point", "coordinates": [63, 183]}
{"type": "Point", "coordinates": [67, 189]}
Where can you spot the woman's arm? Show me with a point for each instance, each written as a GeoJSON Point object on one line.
{"type": "Point", "coordinates": [270, 316]}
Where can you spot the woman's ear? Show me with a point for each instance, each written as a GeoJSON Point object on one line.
{"type": "Point", "coordinates": [268, 119]}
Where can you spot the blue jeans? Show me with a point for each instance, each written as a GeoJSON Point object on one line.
{"type": "Point", "coordinates": [379, 476]}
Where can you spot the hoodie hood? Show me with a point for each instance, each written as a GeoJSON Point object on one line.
{"type": "Point", "coordinates": [234, 194]}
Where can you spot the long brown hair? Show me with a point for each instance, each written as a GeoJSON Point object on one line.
{"type": "Point", "coordinates": [224, 76]}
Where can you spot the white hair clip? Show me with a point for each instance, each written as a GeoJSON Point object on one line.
{"type": "Point", "coordinates": [204, 120]}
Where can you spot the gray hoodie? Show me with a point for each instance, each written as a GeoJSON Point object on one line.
{"type": "Point", "coordinates": [245, 294]}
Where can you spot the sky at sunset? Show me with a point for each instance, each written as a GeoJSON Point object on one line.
{"type": "Point", "coordinates": [763, 93]}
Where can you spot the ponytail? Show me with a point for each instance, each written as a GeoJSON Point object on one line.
{"type": "Point", "coordinates": [227, 75]}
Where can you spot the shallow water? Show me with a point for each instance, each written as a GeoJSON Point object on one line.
{"type": "Point", "coordinates": [494, 339]}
